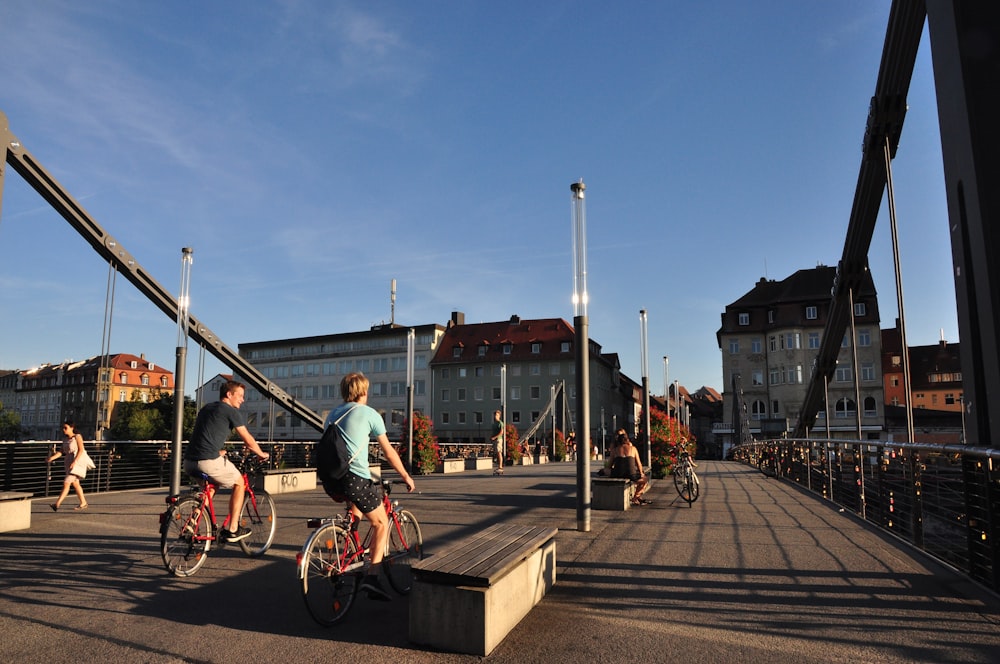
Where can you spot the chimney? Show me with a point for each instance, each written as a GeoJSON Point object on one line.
{"type": "Point", "coordinates": [515, 320]}
{"type": "Point", "coordinates": [457, 318]}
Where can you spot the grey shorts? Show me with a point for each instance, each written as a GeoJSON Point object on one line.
{"type": "Point", "coordinates": [220, 470]}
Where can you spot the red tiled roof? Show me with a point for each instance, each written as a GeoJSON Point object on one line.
{"type": "Point", "coordinates": [520, 334]}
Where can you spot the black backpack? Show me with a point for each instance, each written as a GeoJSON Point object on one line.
{"type": "Point", "coordinates": [332, 457]}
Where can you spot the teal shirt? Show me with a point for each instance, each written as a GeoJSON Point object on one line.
{"type": "Point", "coordinates": [359, 426]}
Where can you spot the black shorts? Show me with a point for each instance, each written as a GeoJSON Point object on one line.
{"type": "Point", "coordinates": [365, 494]}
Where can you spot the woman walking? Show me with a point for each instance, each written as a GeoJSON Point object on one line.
{"type": "Point", "coordinates": [75, 461]}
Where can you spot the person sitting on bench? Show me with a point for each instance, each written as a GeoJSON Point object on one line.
{"type": "Point", "coordinates": [625, 463]}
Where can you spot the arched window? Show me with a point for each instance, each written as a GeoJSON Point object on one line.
{"type": "Point", "coordinates": [871, 407]}
{"type": "Point", "coordinates": [846, 408]}
{"type": "Point", "coordinates": [123, 378]}
{"type": "Point", "coordinates": [758, 410]}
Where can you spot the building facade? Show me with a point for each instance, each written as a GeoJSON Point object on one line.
{"type": "Point", "coordinates": [537, 360]}
{"type": "Point", "coordinates": [769, 340]}
{"type": "Point", "coordinates": [86, 393]}
{"type": "Point", "coordinates": [310, 370]}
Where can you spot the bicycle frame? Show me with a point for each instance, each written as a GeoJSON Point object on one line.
{"type": "Point", "coordinates": [351, 523]}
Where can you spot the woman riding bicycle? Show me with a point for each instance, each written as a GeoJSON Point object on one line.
{"type": "Point", "coordinates": [357, 423]}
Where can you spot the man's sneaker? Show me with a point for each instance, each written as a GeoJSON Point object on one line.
{"type": "Point", "coordinates": [241, 533]}
{"type": "Point", "coordinates": [373, 587]}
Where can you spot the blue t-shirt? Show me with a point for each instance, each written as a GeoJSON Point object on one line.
{"type": "Point", "coordinates": [359, 426]}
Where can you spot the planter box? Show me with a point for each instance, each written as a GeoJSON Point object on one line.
{"type": "Point", "coordinates": [479, 463]}
{"type": "Point", "coordinates": [451, 466]}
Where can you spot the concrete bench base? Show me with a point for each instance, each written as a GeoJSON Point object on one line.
{"type": "Point", "coordinates": [451, 466]}
{"type": "Point", "coordinates": [611, 493]}
{"type": "Point", "coordinates": [541, 458]}
{"type": "Point", "coordinates": [468, 598]}
{"type": "Point", "coordinates": [288, 480]}
{"type": "Point", "coordinates": [479, 463]}
{"type": "Point", "coordinates": [15, 511]}
{"type": "Point", "coordinates": [525, 460]}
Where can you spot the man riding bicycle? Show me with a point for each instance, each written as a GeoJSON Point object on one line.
{"type": "Point", "coordinates": [206, 451]}
{"type": "Point", "coordinates": [358, 422]}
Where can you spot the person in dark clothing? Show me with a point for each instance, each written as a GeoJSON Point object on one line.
{"type": "Point", "coordinates": [206, 451]}
{"type": "Point", "coordinates": [625, 463]}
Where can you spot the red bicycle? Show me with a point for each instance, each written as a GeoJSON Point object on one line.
{"type": "Point", "coordinates": [335, 556]}
{"type": "Point", "coordinates": [188, 526]}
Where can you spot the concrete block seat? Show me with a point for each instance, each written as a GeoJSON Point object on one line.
{"type": "Point", "coordinates": [611, 493]}
{"type": "Point", "coordinates": [15, 511]}
{"type": "Point", "coordinates": [469, 596]}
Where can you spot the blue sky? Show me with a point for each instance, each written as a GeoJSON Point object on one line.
{"type": "Point", "coordinates": [310, 152]}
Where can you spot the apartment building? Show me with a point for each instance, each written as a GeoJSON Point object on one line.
{"type": "Point", "coordinates": [935, 374]}
{"type": "Point", "coordinates": [310, 370]}
{"type": "Point", "coordinates": [769, 340]}
{"type": "Point", "coordinates": [536, 358]}
{"type": "Point", "coordinates": [86, 392]}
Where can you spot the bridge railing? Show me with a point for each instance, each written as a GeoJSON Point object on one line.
{"type": "Point", "coordinates": [942, 499]}
{"type": "Point", "coordinates": [124, 465]}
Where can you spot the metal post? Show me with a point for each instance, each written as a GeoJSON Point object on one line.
{"type": "Point", "coordinates": [644, 361]}
{"type": "Point", "coordinates": [183, 305]}
{"type": "Point", "coordinates": [580, 325]}
{"type": "Point", "coordinates": [857, 369]}
{"type": "Point", "coordinates": [503, 406]}
{"type": "Point", "coordinates": [410, 343]}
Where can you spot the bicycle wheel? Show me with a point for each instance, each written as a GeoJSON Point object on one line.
{"type": "Point", "coordinates": [261, 520]}
{"type": "Point", "coordinates": [403, 551]}
{"type": "Point", "coordinates": [694, 487]}
{"type": "Point", "coordinates": [326, 589]}
{"type": "Point", "coordinates": [686, 487]}
{"type": "Point", "coordinates": [184, 537]}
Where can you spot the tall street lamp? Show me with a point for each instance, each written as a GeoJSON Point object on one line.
{"type": "Point", "coordinates": [582, 355]}
{"type": "Point", "coordinates": [644, 361]}
{"type": "Point", "coordinates": [183, 305]}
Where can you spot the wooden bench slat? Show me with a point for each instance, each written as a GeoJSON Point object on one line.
{"type": "Point", "coordinates": [482, 557]}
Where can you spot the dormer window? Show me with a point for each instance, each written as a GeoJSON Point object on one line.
{"type": "Point", "coordinates": [482, 351]}
{"type": "Point", "coordinates": [123, 378]}
{"type": "Point", "coordinates": [456, 351]}
{"type": "Point", "coordinates": [134, 364]}
{"type": "Point", "coordinates": [507, 348]}
{"type": "Point", "coordinates": [536, 347]}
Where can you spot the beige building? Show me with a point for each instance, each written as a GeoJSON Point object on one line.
{"type": "Point", "coordinates": [769, 340]}
{"type": "Point", "coordinates": [310, 369]}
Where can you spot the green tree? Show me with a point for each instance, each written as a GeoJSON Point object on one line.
{"type": "Point", "coordinates": [10, 425]}
{"type": "Point", "coordinates": [139, 420]}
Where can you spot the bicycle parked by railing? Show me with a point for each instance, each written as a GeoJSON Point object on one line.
{"type": "Point", "coordinates": [335, 557]}
{"type": "Point", "coordinates": [188, 527]}
{"type": "Point", "coordinates": [685, 479]}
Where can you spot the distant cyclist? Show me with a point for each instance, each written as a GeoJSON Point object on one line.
{"type": "Point", "coordinates": [206, 452]}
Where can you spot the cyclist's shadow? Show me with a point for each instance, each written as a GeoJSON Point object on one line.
{"type": "Point", "coordinates": [257, 595]}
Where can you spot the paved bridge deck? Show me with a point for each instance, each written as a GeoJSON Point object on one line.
{"type": "Point", "coordinates": [755, 571]}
